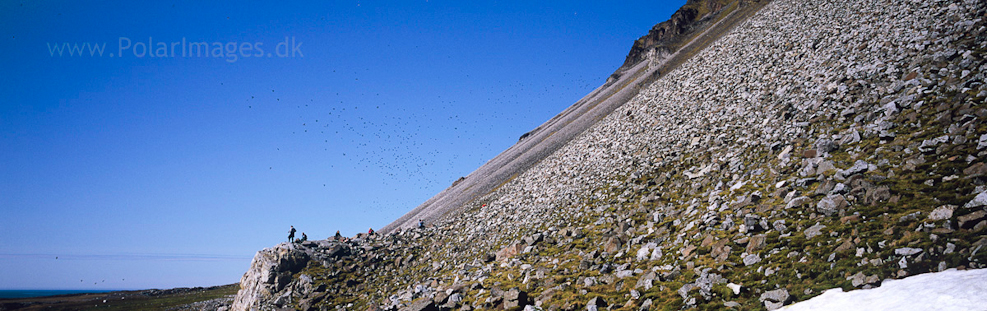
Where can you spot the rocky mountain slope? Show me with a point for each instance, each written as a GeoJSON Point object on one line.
{"type": "Point", "coordinates": [691, 29]}
{"type": "Point", "coordinates": [817, 144]}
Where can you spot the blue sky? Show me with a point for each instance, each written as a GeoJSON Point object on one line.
{"type": "Point", "coordinates": [147, 169]}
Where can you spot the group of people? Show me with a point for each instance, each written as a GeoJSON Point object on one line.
{"type": "Point", "coordinates": [337, 237]}
{"type": "Point", "coordinates": [291, 236]}
{"type": "Point", "coordinates": [291, 233]}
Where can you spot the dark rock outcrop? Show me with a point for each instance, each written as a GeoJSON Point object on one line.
{"type": "Point", "coordinates": [666, 37]}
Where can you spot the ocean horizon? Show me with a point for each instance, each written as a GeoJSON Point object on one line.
{"type": "Point", "coordinates": [11, 294]}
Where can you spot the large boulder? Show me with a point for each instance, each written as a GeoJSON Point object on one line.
{"type": "Point", "coordinates": [831, 204]}
{"type": "Point", "coordinates": [514, 298]}
{"type": "Point", "coordinates": [596, 303]}
{"type": "Point", "coordinates": [775, 299]}
{"type": "Point", "coordinates": [509, 251]}
{"type": "Point", "coordinates": [968, 221]}
{"type": "Point", "coordinates": [270, 271]}
{"type": "Point", "coordinates": [978, 201]}
{"type": "Point", "coordinates": [814, 231]}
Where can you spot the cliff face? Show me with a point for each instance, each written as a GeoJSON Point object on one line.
{"type": "Point", "coordinates": [817, 144]}
{"type": "Point", "coordinates": [667, 36]}
{"type": "Point", "coordinates": [271, 270]}
{"type": "Point", "coordinates": [279, 276]}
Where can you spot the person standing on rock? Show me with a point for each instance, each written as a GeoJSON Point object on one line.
{"type": "Point", "coordinates": [291, 234]}
{"type": "Point", "coordinates": [338, 236]}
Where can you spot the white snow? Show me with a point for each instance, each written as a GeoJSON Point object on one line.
{"type": "Point", "coordinates": [947, 290]}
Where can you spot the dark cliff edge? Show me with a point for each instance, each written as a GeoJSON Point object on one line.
{"type": "Point", "coordinates": [668, 36]}
{"type": "Point", "coordinates": [690, 29]}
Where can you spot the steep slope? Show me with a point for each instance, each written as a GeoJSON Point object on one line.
{"type": "Point", "coordinates": [818, 144]}
{"type": "Point", "coordinates": [689, 30]}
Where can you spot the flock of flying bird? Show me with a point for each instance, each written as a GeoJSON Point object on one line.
{"type": "Point", "coordinates": [421, 144]}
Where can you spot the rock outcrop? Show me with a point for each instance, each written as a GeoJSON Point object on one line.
{"type": "Point", "coordinates": [693, 17]}
{"type": "Point", "coordinates": [272, 269]}
{"type": "Point", "coordinates": [817, 144]}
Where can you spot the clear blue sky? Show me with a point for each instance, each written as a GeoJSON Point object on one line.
{"type": "Point", "coordinates": [150, 169]}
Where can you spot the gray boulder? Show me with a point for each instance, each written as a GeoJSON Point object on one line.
{"type": "Point", "coordinates": [942, 212]}
{"type": "Point", "coordinates": [978, 201]}
{"type": "Point", "coordinates": [751, 259]}
{"type": "Point", "coordinates": [775, 299]}
{"type": "Point", "coordinates": [515, 297]}
{"type": "Point", "coordinates": [907, 251]}
{"type": "Point", "coordinates": [968, 221]}
{"type": "Point", "coordinates": [797, 202]}
{"type": "Point", "coordinates": [859, 166]}
{"type": "Point", "coordinates": [826, 145]}
{"type": "Point", "coordinates": [831, 204]}
{"type": "Point", "coordinates": [595, 304]}
{"type": "Point", "coordinates": [814, 231]}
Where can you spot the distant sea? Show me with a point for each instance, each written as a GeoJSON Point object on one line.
{"type": "Point", "coordinates": [43, 293]}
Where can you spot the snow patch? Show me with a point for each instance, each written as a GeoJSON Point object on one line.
{"type": "Point", "coordinates": [948, 290]}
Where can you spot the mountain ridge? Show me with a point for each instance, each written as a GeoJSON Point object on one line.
{"type": "Point", "coordinates": [652, 54]}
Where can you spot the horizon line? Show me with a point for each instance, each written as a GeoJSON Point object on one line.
{"type": "Point", "coordinates": [129, 256]}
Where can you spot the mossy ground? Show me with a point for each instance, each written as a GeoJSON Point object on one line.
{"type": "Point", "coordinates": [127, 300]}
